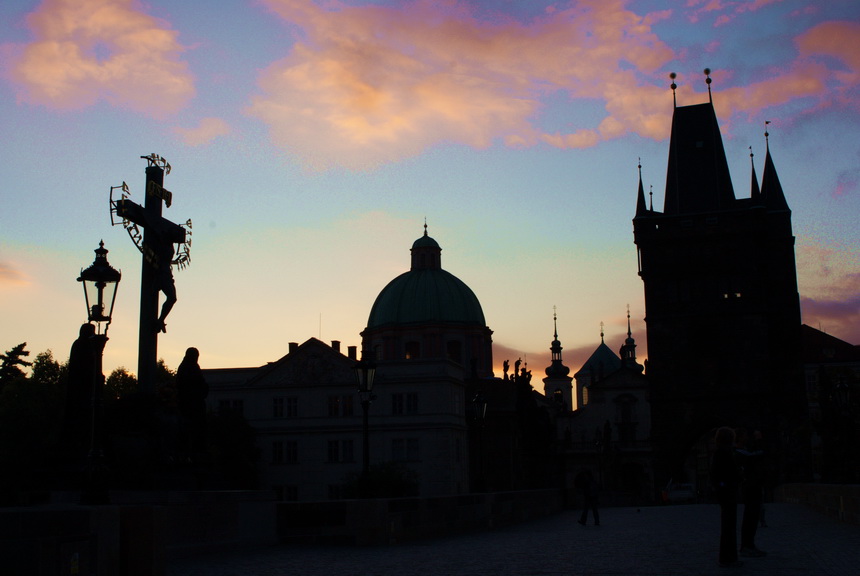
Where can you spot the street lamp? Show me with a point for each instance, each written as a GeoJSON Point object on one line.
{"type": "Point", "coordinates": [365, 371]}
{"type": "Point", "coordinates": [100, 282]}
{"type": "Point", "coordinates": [97, 279]}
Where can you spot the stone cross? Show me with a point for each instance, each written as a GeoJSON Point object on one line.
{"type": "Point", "coordinates": [156, 243]}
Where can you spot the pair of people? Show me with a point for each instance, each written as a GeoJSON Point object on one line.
{"type": "Point", "coordinates": [735, 468]}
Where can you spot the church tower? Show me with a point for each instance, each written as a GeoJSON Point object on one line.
{"type": "Point", "coordinates": [721, 301]}
{"type": "Point", "coordinates": [557, 384]}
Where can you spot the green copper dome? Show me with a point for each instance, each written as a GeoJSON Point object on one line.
{"type": "Point", "coordinates": [426, 294]}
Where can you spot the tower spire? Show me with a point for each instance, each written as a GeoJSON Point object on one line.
{"type": "Point", "coordinates": [641, 207]}
{"type": "Point", "coordinates": [771, 189]}
{"type": "Point", "coordinates": [673, 86]}
{"type": "Point", "coordinates": [755, 192]}
{"type": "Point", "coordinates": [708, 82]}
{"type": "Point", "coordinates": [628, 350]}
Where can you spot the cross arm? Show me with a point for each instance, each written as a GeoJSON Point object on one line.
{"type": "Point", "coordinates": [133, 212]}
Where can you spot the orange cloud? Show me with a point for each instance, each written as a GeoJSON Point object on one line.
{"type": "Point", "coordinates": [88, 50]}
{"type": "Point", "coordinates": [204, 133]}
{"type": "Point", "coordinates": [838, 40]}
{"type": "Point", "coordinates": [379, 83]}
{"type": "Point", "coordinates": [373, 84]}
{"type": "Point", "coordinates": [829, 279]}
{"type": "Point", "coordinates": [11, 276]}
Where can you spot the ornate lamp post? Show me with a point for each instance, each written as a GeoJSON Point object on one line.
{"type": "Point", "coordinates": [365, 371]}
{"type": "Point", "coordinates": [100, 281]}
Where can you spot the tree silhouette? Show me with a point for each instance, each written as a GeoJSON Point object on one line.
{"type": "Point", "coordinates": [120, 383]}
{"type": "Point", "coordinates": [11, 363]}
{"type": "Point", "coordinates": [31, 415]}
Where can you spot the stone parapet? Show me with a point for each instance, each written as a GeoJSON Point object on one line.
{"type": "Point", "coordinates": [840, 501]}
{"type": "Point", "coordinates": [391, 521]}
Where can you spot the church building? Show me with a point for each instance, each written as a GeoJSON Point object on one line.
{"type": "Point", "coordinates": [427, 336]}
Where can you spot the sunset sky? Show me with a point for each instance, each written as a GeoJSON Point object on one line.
{"type": "Point", "coordinates": [309, 140]}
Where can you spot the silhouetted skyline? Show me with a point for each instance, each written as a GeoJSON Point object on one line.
{"type": "Point", "coordinates": [309, 144]}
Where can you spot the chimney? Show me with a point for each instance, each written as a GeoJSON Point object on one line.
{"type": "Point", "coordinates": [351, 352]}
{"type": "Point", "coordinates": [335, 345]}
{"type": "Point", "coordinates": [293, 347]}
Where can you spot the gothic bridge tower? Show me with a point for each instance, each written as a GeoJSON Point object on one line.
{"type": "Point", "coordinates": [722, 305]}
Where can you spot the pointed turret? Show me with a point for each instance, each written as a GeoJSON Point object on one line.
{"type": "Point", "coordinates": [755, 193]}
{"type": "Point", "coordinates": [771, 189]}
{"type": "Point", "coordinates": [558, 383]}
{"type": "Point", "coordinates": [641, 207]}
{"type": "Point", "coordinates": [556, 369]}
{"type": "Point", "coordinates": [628, 350]}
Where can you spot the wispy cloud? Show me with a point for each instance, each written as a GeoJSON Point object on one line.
{"type": "Point", "coordinates": [839, 41]}
{"type": "Point", "coordinates": [378, 83]}
{"type": "Point", "coordinates": [88, 50]}
{"type": "Point", "coordinates": [830, 281]}
{"type": "Point", "coordinates": [372, 84]}
{"type": "Point", "coordinates": [11, 276]}
{"type": "Point", "coordinates": [205, 132]}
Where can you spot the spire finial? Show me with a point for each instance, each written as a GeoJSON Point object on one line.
{"type": "Point", "coordinates": [425, 225]}
{"type": "Point", "coordinates": [601, 331]}
{"type": "Point", "coordinates": [651, 198]}
{"type": "Point", "coordinates": [629, 334]}
{"type": "Point", "coordinates": [554, 323]}
{"type": "Point", "coordinates": [755, 191]}
{"type": "Point", "coordinates": [708, 82]}
{"type": "Point", "coordinates": [766, 134]}
{"type": "Point", "coordinates": [673, 86]}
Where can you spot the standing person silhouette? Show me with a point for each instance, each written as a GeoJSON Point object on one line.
{"type": "Point", "coordinates": [750, 461]}
{"type": "Point", "coordinates": [191, 391]}
{"type": "Point", "coordinates": [725, 479]}
{"type": "Point", "coordinates": [77, 421]}
{"type": "Point", "coordinates": [588, 485]}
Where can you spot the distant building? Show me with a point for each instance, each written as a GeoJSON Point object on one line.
{"type": "Point", "coordinates": [722, 306]}
{"type": "Point", "coordinates": [427, 335]}
{"type": "Point", "coordinates": [609, 432]}
{"type": "Point", "coordinates": [832, 369]}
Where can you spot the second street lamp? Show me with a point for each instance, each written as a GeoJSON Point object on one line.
{"type": "Point", "coordinates": [365, 371]}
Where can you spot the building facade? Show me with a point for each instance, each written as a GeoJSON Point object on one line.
{"type": "Point", "coordinates": [427, 336]}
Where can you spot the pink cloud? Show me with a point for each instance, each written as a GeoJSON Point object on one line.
{"type": "Point", "coordinates": [829, 278]}
{"type": "Point", "coordinates": [11, 276]}
{"type": "Point", "coordinates": [89, 50]}
{"type": "Point", "coordinates": [203, 133]}
{"type": "Point", "coordinates": [726, 11]}
{"type": "Point", "coordinates": [372, 84]}
{"type": "Point", "coordinates": [839, 41]}
{"type": "Point", "coordinates": [838, 317]}
{"type": "Point", "coordinates": [847, 183]}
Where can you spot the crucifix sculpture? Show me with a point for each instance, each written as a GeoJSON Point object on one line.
{"type": "Point", "coordinates": [156, 243]}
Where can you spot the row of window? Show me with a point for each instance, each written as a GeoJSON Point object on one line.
{"type": "Point", "coordinates": [288, 407]}
{"type": "Point", "coordinates": [402, 450]}
{"type": "Point", "coordinates": [412, 351]}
